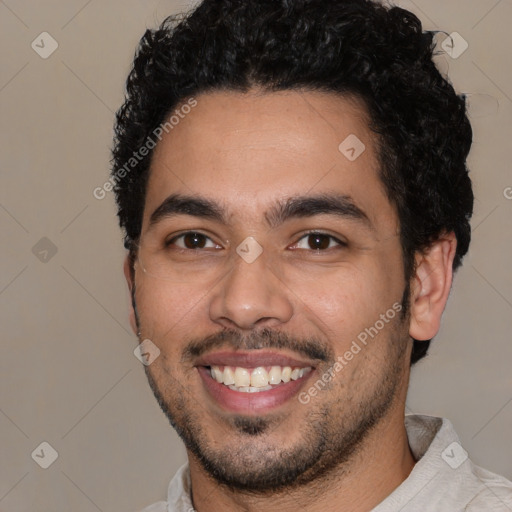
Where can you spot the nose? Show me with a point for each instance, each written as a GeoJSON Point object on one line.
{"type": "Point", "coordinates": [251, 296]}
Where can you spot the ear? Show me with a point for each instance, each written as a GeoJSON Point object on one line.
{"type": "Point", "coordinates": [431, 286]}
{"type": "Point", "coordinates": [127, 268]}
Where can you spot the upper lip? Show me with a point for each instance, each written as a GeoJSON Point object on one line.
{"type": "Point", "coordinates": [250, 359]}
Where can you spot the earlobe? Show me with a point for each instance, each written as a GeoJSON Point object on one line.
{"type": "Point", "coordinates": [128, 274]}
{"type": "Point", "coordinates": [431, 286]}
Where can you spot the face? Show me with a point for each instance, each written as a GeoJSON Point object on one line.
{"type": "Point", "coordinates": [270, 277]}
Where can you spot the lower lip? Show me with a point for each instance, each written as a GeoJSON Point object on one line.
{"type": "Point", "coordinates": [257, 402]}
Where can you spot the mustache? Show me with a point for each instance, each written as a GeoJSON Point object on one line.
{"type": "Point", "coordinates": [311, 348]}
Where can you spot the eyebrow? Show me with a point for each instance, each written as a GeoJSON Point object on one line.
{"type": "Point", "coordinates": [282, 210]}
{"type": "Point", "coordinates": [178, 204]}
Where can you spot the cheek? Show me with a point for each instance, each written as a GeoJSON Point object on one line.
{"type": "Point", "coordinates": [167, 310]}
{"type": "Point", "coordinates": [333, 301]}
{"type": "Point", "coordinates": [344, 302]}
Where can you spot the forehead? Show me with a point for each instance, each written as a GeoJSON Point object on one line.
{"type": "Point", "coordinates": [246, 150]}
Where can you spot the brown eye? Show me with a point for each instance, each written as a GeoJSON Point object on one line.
{"type": "Point", "coordinates": [318, 241]}
{"type": "Point", "coordinates": [191, 240]}
{"type": "Point", "coordinates": [194, 241]}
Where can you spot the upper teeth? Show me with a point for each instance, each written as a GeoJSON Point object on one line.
{"type": "Point", "coordinates": [259, 377]}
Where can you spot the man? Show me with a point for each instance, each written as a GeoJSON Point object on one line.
{"type": "Point", "coordinates": [291, 179]}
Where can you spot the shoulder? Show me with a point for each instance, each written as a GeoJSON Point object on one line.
{"type": "Point", "coordinates": [494, 493]}
{"type": "Point", "coordinates": [444, 478]}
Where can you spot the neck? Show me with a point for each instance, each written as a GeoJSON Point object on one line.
{"type": "Point", "coordinates": [381, 464]}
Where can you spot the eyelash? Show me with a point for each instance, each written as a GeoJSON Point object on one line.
{"type": "Point", "coordinates": [170, 242]}
{"type": "Point", "coordinates": [340, 243]}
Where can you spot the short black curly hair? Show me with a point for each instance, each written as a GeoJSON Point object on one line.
{"type": "Point", "coordinates": [360, 48]}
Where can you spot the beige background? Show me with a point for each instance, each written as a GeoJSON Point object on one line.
{"type": "Point", "coordinates": [68, 373]}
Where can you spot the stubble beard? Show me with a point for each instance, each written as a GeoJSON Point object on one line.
{"type": "Point", "coordinates": [330, 436]}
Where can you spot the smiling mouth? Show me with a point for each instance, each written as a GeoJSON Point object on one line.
{"type": "Point", "coordinates": [254, 380]}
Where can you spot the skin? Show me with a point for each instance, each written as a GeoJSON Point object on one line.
{"type": "Point", "coordinates": [245, 152]}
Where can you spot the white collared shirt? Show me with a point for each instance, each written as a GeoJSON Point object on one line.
{"type": "Point", "coordinates": [443, 480]}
